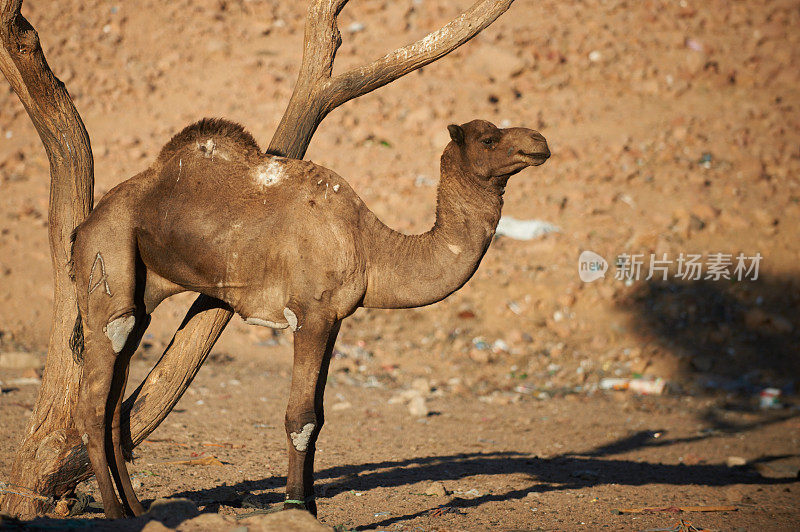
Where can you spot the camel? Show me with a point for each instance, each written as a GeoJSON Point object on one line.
{"type": "Point", "coordinates": [283, 242]}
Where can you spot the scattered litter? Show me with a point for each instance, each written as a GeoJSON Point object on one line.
{"type": "Point", "coordinates": [206, 460]}
{"type": "Point", "coordinates": [769, 398]}
{"type": "Point", "coordinates": [480, 343]}
{"type": "Point", "coordinates": [673, 509]}
{"type": "Point", "coordinates": [525, 388]}
{"type": "Point", "coordinates": [499, 346]}
{"type": "Point", "coordinates": [638, 385]}
{"type": "Point", "coordinates": [441, 510]}
{"type": "Point", "coordinates": [524, 229]}
{"type": "Point", "coordinates": [382, 514]}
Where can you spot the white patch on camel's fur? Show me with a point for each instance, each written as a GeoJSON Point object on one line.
{"type": "Point", "coordinates": [266, 323]}
{"type": "Point", "coordinates": [291, 317]}
{"type": "Point", "coordinates": [300, 439]}
{"type": "Point", "coordinates": [454, 249]}
{"type": "Point", "coordinates": [270, 173]}
{"type": "Point", "coordinates": [118, 331]}
{"type": "Point", "coordinates": [207, 147]}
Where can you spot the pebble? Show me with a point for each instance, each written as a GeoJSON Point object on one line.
{"type": "Point", "coordinates": [417, 407]}
{"type": "Point", "coordinates": [735, 461]}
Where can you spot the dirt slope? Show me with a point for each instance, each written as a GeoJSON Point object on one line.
{"type": "Point", "coordinates": [674, 128]}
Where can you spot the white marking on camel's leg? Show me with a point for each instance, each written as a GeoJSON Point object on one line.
{"type": "Point", "coordinates": [300, 439]}
{"type": "Point", "coordinates": [291, 317]}
{"type": "Point", "coordinates": [266, 323]}
{"type": "Point", "coordinates": [118, 331]}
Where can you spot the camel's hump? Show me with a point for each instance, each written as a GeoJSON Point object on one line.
{"type": "Point", "coordinates": [199, 134]}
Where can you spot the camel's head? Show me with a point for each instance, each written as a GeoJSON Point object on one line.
{"type": "Point", "coordinates": [489, 152]}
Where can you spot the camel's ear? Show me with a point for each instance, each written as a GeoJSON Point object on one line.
{"type": "Point", "coordinates": [456, 133]}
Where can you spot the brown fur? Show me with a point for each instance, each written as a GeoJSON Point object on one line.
{"type": "Point", "coordinates": [216, 128]}
{"type": "Point", "coordinates": [285, 243]}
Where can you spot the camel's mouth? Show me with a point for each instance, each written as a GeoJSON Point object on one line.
{"type": "Point", "coordinates": [536, 158]}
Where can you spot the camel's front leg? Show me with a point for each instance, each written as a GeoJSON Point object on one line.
{"type": "Point", "coordinates": [313, 346]}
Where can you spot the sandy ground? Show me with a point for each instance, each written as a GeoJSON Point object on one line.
{"type": "Point", "coordinates": [674, 129]}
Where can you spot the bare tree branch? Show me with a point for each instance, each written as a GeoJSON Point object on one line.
{"type": "Point", "coordinates": [316, 93]}
{"type": "Point", "coordinates": [367, 78]}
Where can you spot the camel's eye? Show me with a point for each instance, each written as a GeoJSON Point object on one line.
{"type": "Point", "coordinates": [488, 142]}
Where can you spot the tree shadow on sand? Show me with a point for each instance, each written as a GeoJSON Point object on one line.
{"type": "Point", "coordinates": [568, 471]}
{"type": "Point", "coordinates": [730, 335]}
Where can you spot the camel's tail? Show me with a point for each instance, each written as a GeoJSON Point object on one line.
{"type": "Point", "coordinates": [76, 340]}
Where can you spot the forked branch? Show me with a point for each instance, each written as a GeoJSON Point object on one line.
{"type": "Point", "coordinates": [367, 78]}
{"type": "Point", "coordinates": [317, 93]}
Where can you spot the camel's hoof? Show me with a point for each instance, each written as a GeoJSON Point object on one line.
{"type": "Point", "coordinates": [309, 505]}
{"type": "Point", "coordinates": [294, 506]}
{"type": "Point", "coordinates": [114, 512]}
{"type": "Point", "coordinates": [137, 509]}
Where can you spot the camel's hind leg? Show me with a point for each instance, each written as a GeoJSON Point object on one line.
{"type": "Point", "coordinates": [92, 414]}
{"type": "Point", "coordinates": [106, 283]}
{"type": "Point", "coordinates": [116, 458]}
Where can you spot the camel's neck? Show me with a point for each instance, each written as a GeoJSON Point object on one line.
{"type": "Point", "coordinates": [412, 271]}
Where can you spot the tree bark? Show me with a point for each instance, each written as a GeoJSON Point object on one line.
{"type": "Point", "coordinates": [52, 460]}
{"type": "Point", "coordinates": [50, 436]}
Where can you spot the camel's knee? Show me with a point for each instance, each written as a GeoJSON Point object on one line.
{"type": "Point", "coordinates": [90, 421]}
{"type": "Point", "coordinates": [303, 429]}
{"type": "Point", "coordinates": [119, 330]}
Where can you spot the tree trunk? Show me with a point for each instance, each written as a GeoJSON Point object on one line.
{"type": "Point", "coordinates": [50, 436]}
{"type": "Point", "coordinates": [52, 460]}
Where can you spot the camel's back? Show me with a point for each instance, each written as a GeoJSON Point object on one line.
{"type": "Point", "coordinates": [218, 217]}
